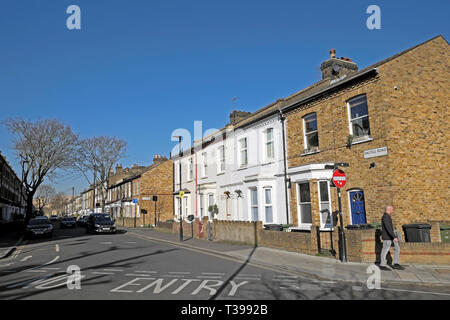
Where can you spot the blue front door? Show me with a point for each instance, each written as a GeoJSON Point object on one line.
{"type": "Point", "coordinates": [357, 207]}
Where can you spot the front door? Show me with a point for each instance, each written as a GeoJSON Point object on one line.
{"type": "Point", "coordinates": [357, 207]}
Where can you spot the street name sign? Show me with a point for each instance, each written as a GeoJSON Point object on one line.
{"type": "Point", "coordinates": [378, 152]}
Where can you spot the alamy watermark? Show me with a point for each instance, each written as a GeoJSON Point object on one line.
{"type": "Point", "coordinates": [73, 22]}
{"type": "Point", "coordinates": [374, 20]}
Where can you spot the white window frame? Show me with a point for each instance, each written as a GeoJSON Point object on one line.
{"type": "Point", "coordinates": [201, 199]}
{"type": "Point", "coordinates": [205, 164]}
{"type": "Point", "coordinates": [190, 168]}
{"type": "Point", "coordinates": [268, 142]}
{"type": "Point", "coordinates": [241, 150]}
{"type": "Point", "coordinates": [251, 205]}
{"type": "Point", "coordinates": [221, 162]}
{"type": "Point", "coordinates": [266, 205]}
{"type": "Point", "coordinates": [322, 223]}
{"type": "Point", "coordinates": [305, 140]}
{"type": "Point", "coordinates": [299, 211]}
{"type": "Point", "coordinates": [349, 113]}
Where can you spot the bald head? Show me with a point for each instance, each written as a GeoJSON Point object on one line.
{"type": "Point", "coordinates": [389, 210]}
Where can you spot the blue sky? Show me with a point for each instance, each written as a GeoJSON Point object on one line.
{"type": "Point", "coordinates": [139, 69]}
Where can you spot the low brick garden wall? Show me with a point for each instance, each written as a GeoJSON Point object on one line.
{"type": "Point", "coordinates": [363, 246]}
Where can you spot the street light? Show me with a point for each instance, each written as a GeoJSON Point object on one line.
{"type": "Point", "coordinates": [22, 162]}
{"type": "Point", "coordinates": [180, 154]}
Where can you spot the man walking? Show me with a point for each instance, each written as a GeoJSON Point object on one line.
{"type": "Point", "coordinates": [388, 236]}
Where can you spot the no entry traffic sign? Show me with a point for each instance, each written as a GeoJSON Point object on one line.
{"type": "Point", "coordinates": [339, 178]}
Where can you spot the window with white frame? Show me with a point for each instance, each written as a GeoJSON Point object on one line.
{"type": "Point", "coordinates": [311, 135]}
{"type": "Point", "coordinates": [243, 152]}
{"type": "Point", "coordinates": [186, 207]}
{"type": "Point", "coordinates": [210, 203]}
{"type": "Point", "coordinates": [326, 218]}
{"type": "Point", "coordinates": [359, 117]}
{"type": "Point", "coordinates": [205, 165]}
{"type": "Point", "coordinates": [210, 199]}
{"type": "Point", "coordinates": [254, 204]}
{"type": "Point", "coordinates": [191, 168]}
{"type": "Point", "coordinates": [304, 203]}
{"type": "Point", "coordinates": [269, 144]}
{"type": "Point", "coordinates": [202, 205]}
{"type": "Point", "coordinates": [222, 159]}
{"type": "Point", "coordinates": [268, 204]}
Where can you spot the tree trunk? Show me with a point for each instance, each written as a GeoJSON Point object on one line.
{"type": "Point", "coordinates": [29, 209]}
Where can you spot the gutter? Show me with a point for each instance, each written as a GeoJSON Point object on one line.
{"type": "Point", "coordinates": [282, 119]}
{"type": "Point", "coordinates": [335, 86]}
{"type": "Point", "coordinates": [296, 104]}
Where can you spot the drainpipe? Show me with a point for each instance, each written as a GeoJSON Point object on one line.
{"type": "Point", "coordinates": [282, 119]}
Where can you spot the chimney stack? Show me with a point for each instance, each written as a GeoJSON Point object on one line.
{"type": "Point", "coordinates": [159, 159]}
{"type": "Point", "coordinates": [335, 68]}
{"type": "Point", "coordinates": [237, 116]}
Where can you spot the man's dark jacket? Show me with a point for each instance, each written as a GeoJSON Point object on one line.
{"type": "Point", "coordinates": [387, 229]}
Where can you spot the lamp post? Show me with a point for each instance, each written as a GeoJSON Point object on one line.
{"type": "Point", "coordinates": [180, 154]}
{"type": "Point", "coordinates": [23, 162]}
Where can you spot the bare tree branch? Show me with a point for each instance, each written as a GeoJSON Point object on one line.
{"type": "Point", "coordinates": [45, 193]}
{"type": "Point", "coordinates": [45, 146]}
{"type": "Point", "coordinates": [95, 159]}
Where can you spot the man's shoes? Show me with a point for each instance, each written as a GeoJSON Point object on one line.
{"type": "Point", "coordinates": [384, 268]}
{"type": "Point", "coordinates": [398, 267]}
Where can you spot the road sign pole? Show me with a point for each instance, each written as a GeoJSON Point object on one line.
{"type": "Point", "coordinates": [341, 231]}
{"type": "Point", "coordinates": [155, 214]}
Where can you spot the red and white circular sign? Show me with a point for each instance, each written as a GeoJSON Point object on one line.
{"type": "Point", "coordinates": [339, 178]}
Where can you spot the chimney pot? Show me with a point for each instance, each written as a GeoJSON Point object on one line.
{"type": "Point", "coordinates": [332, 53]}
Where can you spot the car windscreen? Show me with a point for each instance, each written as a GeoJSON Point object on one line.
{"type": "Point", "coordinates": [38, 222]}
{"type": "Point", "coordinates": [102, 218]}
{"type": "Point", "coordinates": [68, 219]}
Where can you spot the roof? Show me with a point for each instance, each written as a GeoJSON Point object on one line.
{"type": "Point", "coordinates": [316, 89]}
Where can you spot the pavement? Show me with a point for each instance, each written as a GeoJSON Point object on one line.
{"type": "Point", "coordinates": [318, 268]}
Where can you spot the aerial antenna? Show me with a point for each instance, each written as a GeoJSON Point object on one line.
{"type": "Point", "coordinates": [233, 100]}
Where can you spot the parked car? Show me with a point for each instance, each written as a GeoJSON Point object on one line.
{"type": "Point", "coordinates": [81, 222]}
{"type": "Point", "coordinates": [39, 227]}
{"type": "Point", "coordinates": [67, 222]}
{"type": "Point", "coordinates": [100, 223]}
{"type": "Point", "coordinates": [53, 218]}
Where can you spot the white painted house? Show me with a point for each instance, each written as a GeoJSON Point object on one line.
{"type": "Point", "coordinates": [239, 168]}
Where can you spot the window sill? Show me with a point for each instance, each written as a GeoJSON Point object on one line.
{"type": "Point", "coordinates": [301, 228]}
{"type": "Point", "coordinates": [268, 162]}
{"type": "Point", "coordinates": [362, 140]}
{"type": "Point", "coordinates": [243, 167]}
{"type": "Point", "coordinates": [310, 153]}
{"type": "Point", "coordinates": [221, 173]}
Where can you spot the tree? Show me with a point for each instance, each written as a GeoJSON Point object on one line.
{"type": "Point", "coordinates": [59, 202]}
{"type": "Point", "coordinates": [96, 158]}
{"type": "Point", "coordinates": [45, 193]}
{"type": "Point", "coordinates": [43, 147]}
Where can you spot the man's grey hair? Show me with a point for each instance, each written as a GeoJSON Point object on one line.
{"type": "Point", "coordinates": [387, 207]}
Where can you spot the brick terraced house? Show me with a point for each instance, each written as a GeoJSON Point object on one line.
{"type": "Point", "coordinates": [389, 121]}
{"type": "Point", "coordinates": [130, 199]}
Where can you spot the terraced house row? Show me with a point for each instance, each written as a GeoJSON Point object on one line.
{"type": "Point", "coordinates": [388, 121]}
{"type": "Point", "coordinates": [12, 201]}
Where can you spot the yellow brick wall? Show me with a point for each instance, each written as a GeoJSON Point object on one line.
{"type": "Point", "coordinates": [411, 121]}
{"type": "Point", "coordinates": [157, 181]}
